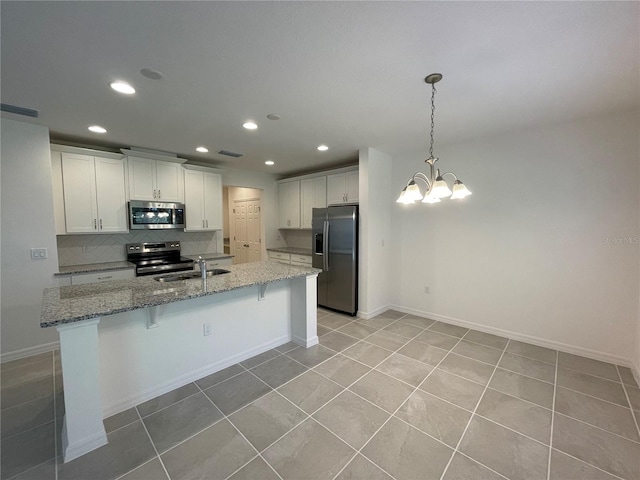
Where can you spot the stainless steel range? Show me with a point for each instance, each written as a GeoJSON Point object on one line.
{"type": "Point", "coordinates": [157, 257]}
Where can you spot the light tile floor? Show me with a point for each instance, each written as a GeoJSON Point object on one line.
{"type": "Point", "coordinates": [393, 397]}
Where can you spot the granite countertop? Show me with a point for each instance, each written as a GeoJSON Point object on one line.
{"type": "Point", "coordinates": [80, 302]}
{"type": "Point", "coordinates": [209, 256]}
{"type": "Point", "coordinates": [94, 267]}
{"type": "Point", "coordinates": [294, 250]}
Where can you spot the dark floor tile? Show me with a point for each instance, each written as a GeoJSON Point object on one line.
{"type": "Point", "coordinates": [44, 471]}
{"type": "Point", "coordinates": [564, 467]}
{"type": "Point", "coordinates": [434, 416]}
{"type": "Point", "coordinates": [286, 347]}
{"type": "Point", "coordinates": [406, 453]}
{"type": "Point", "coordinates": [596, 447]}
{"type": "Point", "coordinates": [220, 376]}
{"type": "Point", "coordinates": [611, 417]}
{"type": "Point", "coordinates": [463, 468]}
{"type": "Point", "coordinates": [279, 371]}
{"type": "Point", "coordinates": [486, 339]}
{"type": "Point", "coordinates": [311, 356]}
{"type": "Point", "coordinates": [627, 376]}
{"type": "Point", "coordinates": [238, 391]}
{"type": "Point", "coordinates": [457, 390]}
{"type": "Point", "coordinates": [308, 448]}
{"type": "Point", "coordinates": [26, 416]}
{"type": "Point", "coordinates": [152, 470]}
{"type": "Point", "coordinates": [127, 449]}
{"type": "Point", "coordinates": [261, 358]}
{"type": "Point", "coordinates": [361, 468]}
{"type": "Point", "coordinates": [523, 417]}
{"type": "Point", "coordinates": [634, 397]}
{"type": "Point", "coordinates": [323, 330]}
{"type": "Point", "coordinates": [121, 419]}
{"type": "Point", "coordinates": [267, 419]}
{"type": "Point", "coordinates": [26, 369]}
{"type": "Point", "coordinates": [505, 451]}
{"type": "Point", "coordinates": [17, 393]}
{"type": "Point", "coordinates": [27, 450]}
{"type": "Point", "coordinates": [589, 366]}
{"type": "Point", "coordinates": [594, 386]}
{"type": "Point", "coordinates": [169, 398]}
{"type": "Point", "coordinates": [256, 469]}
{"type": "Point", "coordinates": [213, 454]}
{"type": "Point", "coordinates": [382, 390]}
{"type": "Point", "coordinates": [333, 321]}
{"type": "Point", "coordinates": [337, 341]}
{"type": "Point", "coordinates": [342, 370]}
{"type": "Point", "coordinates": [351, 418]}
{"type": "Point", "coordinates": [181, 420]}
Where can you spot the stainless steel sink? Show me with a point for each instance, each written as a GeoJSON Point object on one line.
{"type": "Point", "coordinates": [175, 277]}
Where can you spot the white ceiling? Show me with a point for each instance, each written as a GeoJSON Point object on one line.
{"type": "Point", "coordinates": [348, 74]}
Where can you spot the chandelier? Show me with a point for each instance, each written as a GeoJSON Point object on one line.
{"type": "Point", "coordinates": [436, 186]}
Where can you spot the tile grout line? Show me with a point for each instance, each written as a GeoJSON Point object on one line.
{"type": "Point", "coordinates": [586, 463]}
{"type": "Point", "coordinates": [553, 416]}
{"type": "Point", "coordinates": [444, 472]}
{"type": "Point", "coordinates": [258, 454]}
{"type": "Point", "coordinates": [626, 394]}
{"type": "Point", "coordinates": [598, 428]}
{"type": "Point", "coordinates": [152, 444]}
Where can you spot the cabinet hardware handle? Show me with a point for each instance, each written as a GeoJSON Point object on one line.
{"type": "Point", "coordinates": [203, 223]}
{"type": "Point", "coordinates": [95, 224]}
{"type": "Point", "coordinates": [159, 194]}
{"type": "Point", "coordinates": [100, 224]}
{"type": "Point", "coordinates": [105, 278]}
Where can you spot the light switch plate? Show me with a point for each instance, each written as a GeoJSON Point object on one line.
{"type": "Point", "coordinates": [38, 253]}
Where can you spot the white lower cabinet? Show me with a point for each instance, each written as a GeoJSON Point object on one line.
{"type": "Point", "coordinates": [97, 277]}
{"type": "Point", "coordinates": [94, 194]}
{"type": "Point", "coordinates": [290, 259]}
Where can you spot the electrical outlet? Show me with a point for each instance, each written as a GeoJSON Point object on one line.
{"type": "Point", "coordinates": [206, 329]}
{"type": "Point", "coordinates": [85, 248]}
{"type": "Point", "coordinates": [427, 290]}
{"type": "Point", "coordinates": [38, 253]}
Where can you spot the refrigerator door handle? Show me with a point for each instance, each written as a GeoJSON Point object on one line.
{"type": "Point", "coordinates": [325, 246]}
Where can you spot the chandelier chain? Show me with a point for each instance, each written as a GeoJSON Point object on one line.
{"type": "Point", "coordinates": [433, 108]}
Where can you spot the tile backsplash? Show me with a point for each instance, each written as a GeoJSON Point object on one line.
{"type": "Point", "coordinates": [297, 238]}
{"type": "Point", "coordinates": [87, 249]}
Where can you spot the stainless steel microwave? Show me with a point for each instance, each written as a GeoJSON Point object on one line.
{"type": "Point", "coordinates": [155, 215]}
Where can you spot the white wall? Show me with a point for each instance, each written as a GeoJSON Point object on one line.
{"type": "Point", "coordinates": [544, 248]}
{"type": "Point", "coordinates": [376, 201]}
{"type": "Point", "coordinates": [27, 222]}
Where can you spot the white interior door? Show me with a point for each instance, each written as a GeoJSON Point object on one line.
{"type": "Point", "coordinates": [247, 240]}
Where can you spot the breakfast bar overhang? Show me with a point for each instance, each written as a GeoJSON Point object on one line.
{"type": "Point", "coordinates": [126, 341]}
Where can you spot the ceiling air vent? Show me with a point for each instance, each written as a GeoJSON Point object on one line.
{"type": "Point", "coordinates": [28, 112]}
{"type": "Point", "coordinates": [230, 154]}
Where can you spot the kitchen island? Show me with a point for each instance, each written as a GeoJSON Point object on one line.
{"type": "Point", "coordinates": [126, 341]}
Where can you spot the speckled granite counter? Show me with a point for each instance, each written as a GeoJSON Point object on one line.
{"type": "Point", "coordinates": [294, 250]}
{"type": "Point", "coordinates": [94, 267]}
{"type": "Point", "coordinates": [81, 302]}
{"type": "Point", "coordinates": [209, 256]}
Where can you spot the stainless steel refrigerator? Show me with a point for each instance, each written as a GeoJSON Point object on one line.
{"type": "Point", "coordinates": [335, 251]}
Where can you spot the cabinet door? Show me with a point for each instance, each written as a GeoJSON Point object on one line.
{"type": "Point", "coordinates": [194, 200]}
{"type": "Point", "coordinates": [110, 195]}
{"type": "Point", "coordinates": [352, 187]}
{"type": "Point", "coordinates": [58, 192]}
{"type": "Point", "coordinates": [168, 181]}
{"type": "Point", "coordinates": [213, 201]}
{"type": "Point", "coordinates": [79, 184]}
{"type": "Point", "coordinates": [141, 179]}
{"type": "Point", "coordinates": [289, 205]}
{"type": "Point", "coordinates": [313, 194]}
{"type": "Point", "coordinates": [336, 189]}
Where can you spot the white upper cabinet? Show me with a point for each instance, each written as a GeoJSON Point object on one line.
{"type": "Point", "coordinates": [94, 194]}
{"type": "Point", "coordinates": [313, 194]}
{"type": "Point", "coordinates": [342, 188]}
{"type": "Point", "coordinates": [289, 205]}
{"type": "Point", "coordinates": [203, 200]}
{"type": "Point", "coordinates": [155, 180]}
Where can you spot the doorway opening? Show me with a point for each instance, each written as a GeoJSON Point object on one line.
{"type": "Point", "coordinates": [243, 224]}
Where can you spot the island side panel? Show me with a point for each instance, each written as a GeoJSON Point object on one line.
{"type": "Point", "coordinates": [137, 363]}
{"type": "Point", "coordinates": [83, 429]}
{"type": "Point", "coordinates": [304, 310]}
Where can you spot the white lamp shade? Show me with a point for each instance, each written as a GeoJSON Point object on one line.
{"type": "Point", "coordinates": [440, 188]}
{"type": "Point", "coordinates": [404, 198]}
{"type": "Point", "coordinates": [430, 199]}
{"type": "Point", "coordinates": [413, 191]}
{"type": "Point", "coordinates": [460, 190]}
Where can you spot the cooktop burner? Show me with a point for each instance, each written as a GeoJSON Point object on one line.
{"type": "Point", "coordinates": [157, 257]}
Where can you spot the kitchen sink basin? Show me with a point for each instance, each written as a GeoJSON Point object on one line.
{"type": "Point", "coordinates": [175, 277]}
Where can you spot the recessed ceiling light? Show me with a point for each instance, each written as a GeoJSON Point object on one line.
{"type": "Point", "coordinates": [273, 116]}
{"type": "Point", "coordinates": [151, 73]}
{"type": "Point", "coordinates": [202, 149]}
{"type": "Point", "coordinates": [97, 129]}
{"type": "Point", "coordinates": [269, 162]}
{"type": "Point", "coordinates": [122, 87]}
{"type": "Point", "coordinates": [250, 125]}
{"type": "Point", "coordinates": [323, 148]}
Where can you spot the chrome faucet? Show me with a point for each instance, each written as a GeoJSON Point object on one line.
{"type": "Point", "coordinates": [203, 267]}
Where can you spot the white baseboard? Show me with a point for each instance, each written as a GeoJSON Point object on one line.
{"type": "Point", "coordinates": [28, 352]}
{"type": "Point", "coordinates": [71, 452]}
{"type": "Point", "coordinates": [165, 387]}
{"type": "Point", "coordinates": [376, 312]}
{"type": "Point", "coordinates": [542, 342]}
{"type": "Point", "coordinates": [304, 342]}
